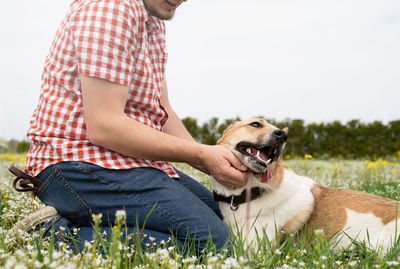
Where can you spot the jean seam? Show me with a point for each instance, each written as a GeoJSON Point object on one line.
{"type": "Point", "coordinates": [47, 182]}
{"type": "Point", "coordinates": [76, 195]}
{"type": "Point", "coordinates": [81, 167]}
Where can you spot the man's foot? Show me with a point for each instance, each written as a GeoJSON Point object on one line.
{"type": "Point", "coordinates": [44, 217]}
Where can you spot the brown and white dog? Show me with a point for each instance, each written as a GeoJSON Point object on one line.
{"type": "Point", "coordinates": [284, 201]}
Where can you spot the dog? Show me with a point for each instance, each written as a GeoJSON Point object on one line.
{"type": "Point", "coordinates": [281, 202]}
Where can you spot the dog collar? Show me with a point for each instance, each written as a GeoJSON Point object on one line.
{"type": "Point", "coordinates": [236, 200]}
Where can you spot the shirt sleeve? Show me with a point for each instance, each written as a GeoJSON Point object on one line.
{"type": "Point", "coordinates": [104, 36]}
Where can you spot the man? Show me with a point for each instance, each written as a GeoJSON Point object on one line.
{"type": "Point", "coordinates": [104, 130]}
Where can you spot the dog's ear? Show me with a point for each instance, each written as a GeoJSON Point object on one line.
{"type": "Point", "coordinates": [225, 134]}
{"type": "Point", "coordinates": [286, 130]}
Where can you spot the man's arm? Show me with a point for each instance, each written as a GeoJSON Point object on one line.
{"type": "Point", "coordinates": [108, 126]}
{"type": "Point", "coordinates": [174, 125]}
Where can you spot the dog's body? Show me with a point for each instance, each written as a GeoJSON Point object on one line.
{"type": "Point", "coordinates": [292, 203]}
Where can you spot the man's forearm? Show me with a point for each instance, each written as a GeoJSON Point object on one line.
{"type": "Point", "coordinates": [131, 138]}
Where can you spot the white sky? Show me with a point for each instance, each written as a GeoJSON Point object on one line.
{"type": "Point", "coordinates": [316, 60]}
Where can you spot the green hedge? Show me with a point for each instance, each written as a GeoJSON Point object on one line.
{"type": "Point", "coordinates": [353, 139]}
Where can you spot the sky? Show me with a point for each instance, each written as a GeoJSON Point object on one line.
{"type": "Point", "coordinates": [315, 60]}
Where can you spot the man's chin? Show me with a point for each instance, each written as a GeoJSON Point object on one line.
{"type": "Point", "coordinates": [166, 16]}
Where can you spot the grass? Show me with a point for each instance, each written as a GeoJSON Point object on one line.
{"type": "Point", "coordinates": [378, 177]}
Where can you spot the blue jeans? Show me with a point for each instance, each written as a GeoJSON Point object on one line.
{"type": "Point", "coordinates": [182, 207]}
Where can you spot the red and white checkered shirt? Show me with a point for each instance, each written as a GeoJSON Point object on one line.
{"type": "Point", "coordinates": [116, 40]}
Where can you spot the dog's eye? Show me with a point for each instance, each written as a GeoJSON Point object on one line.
{"type": "Point", "coordinates": [256, 124]}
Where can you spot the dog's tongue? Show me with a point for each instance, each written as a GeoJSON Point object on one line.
{"type": "Point", "coordinates": [260, 154]}
{"type": "Point", "coordinates": [265, 177]}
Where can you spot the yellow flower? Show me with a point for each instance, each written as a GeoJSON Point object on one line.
{"type": "Point", "coordinates": [288, 156]}
{"type": "Point", "coordinates": [308, 156]}
{"type": "Point", "coordinates": [11, 157]}
{"type": "Point", "coordinates": [372, 166]}
{"type": "Point", "coordinates": [337, 168]}
{"type": "Point", "coordinates": [6, 197]}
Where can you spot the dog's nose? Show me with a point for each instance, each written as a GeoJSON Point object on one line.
{"type": "Point", "coordinates": [279, 134]}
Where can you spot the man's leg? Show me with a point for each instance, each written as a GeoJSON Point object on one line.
{"type": "Point", "coordinates": [78, 190]}
{"type": "Point", "coordinates": [200, 191]}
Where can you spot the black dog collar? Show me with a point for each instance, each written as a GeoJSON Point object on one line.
{"type": "Point", "coordinates": [236, 200]}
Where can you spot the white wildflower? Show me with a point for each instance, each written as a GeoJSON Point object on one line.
{"type": "Point", "coordinates": [20, 266]}
{"type": "Point", "coordinates": [212, 260]}
{"type": "Point", "coordinates": [190, 259]}
{"type": "Point", "coordinates": [231, 262]}
{"type": "Point", "coordinates": [87, 244]}
{"type": "Point", "coordinates": [120, 214]}
{"type": "Point", "coordinates": [97, 218]}
{"type": "Point", "coordinates": [243, 260]}
{"type": "Point", "coordinates": [319, 232]}
{"type": "Point", "coordinates": [352, 263]}
{"type": "Point", "coordinates": [163, 252]}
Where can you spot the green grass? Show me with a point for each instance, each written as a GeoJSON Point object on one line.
{"type": "Point", "coordinates": [32, 251]}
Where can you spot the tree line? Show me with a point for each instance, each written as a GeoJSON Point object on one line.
{"type": "Point", "coordinates": [13, 146]}
{"type": "Point", "coordinates": [352, 140]}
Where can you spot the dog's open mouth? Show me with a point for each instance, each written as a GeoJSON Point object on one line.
{"type": "Point", "coordinates": [259, 158]}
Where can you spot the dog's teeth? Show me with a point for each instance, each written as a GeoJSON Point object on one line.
{"type": "Point", "coordinates": [258, 154]}
{"type": "Point", "coordinates": [269, 161]}
{"type": "Point", "coordinates": [248, 150]}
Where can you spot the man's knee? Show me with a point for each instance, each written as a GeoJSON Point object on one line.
{"type": "Point", "coordinates": [220, 236]}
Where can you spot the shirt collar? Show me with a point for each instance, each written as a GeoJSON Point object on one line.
{"type": "Point", "coordinates": [152, 22]}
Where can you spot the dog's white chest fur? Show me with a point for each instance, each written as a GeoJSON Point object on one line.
{"type": "Point", "coordinates": [273, 210]}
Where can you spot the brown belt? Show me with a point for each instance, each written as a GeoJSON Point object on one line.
{"type": "Point", "coordinates": [24, 183]}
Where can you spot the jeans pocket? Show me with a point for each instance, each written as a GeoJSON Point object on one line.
{"type": "Point", "coordinates": [57, 192]}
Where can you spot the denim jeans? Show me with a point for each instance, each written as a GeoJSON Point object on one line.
{"type": "Point", "coordinates": [182, 207]}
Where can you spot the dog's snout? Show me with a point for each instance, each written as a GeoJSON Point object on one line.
{"type": "Point", "coordinates": [279, 134]}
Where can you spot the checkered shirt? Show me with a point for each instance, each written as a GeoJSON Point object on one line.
{"type": "Point", "coordinates": [116, 40]}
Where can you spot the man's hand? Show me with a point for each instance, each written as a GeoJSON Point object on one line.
{"type": "Point", "coordinates": [220, 163]}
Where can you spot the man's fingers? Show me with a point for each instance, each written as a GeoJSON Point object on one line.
{"type": "Point", "coordinates": [236, 163]}
{"type": "Point", "coordinates": [234, 177]}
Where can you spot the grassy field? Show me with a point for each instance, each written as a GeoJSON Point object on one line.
{"type": "Point", "coordinates": [380, 177]}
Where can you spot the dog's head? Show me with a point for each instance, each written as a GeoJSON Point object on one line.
{"type": "Point", "coordinates": [256, 143]}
